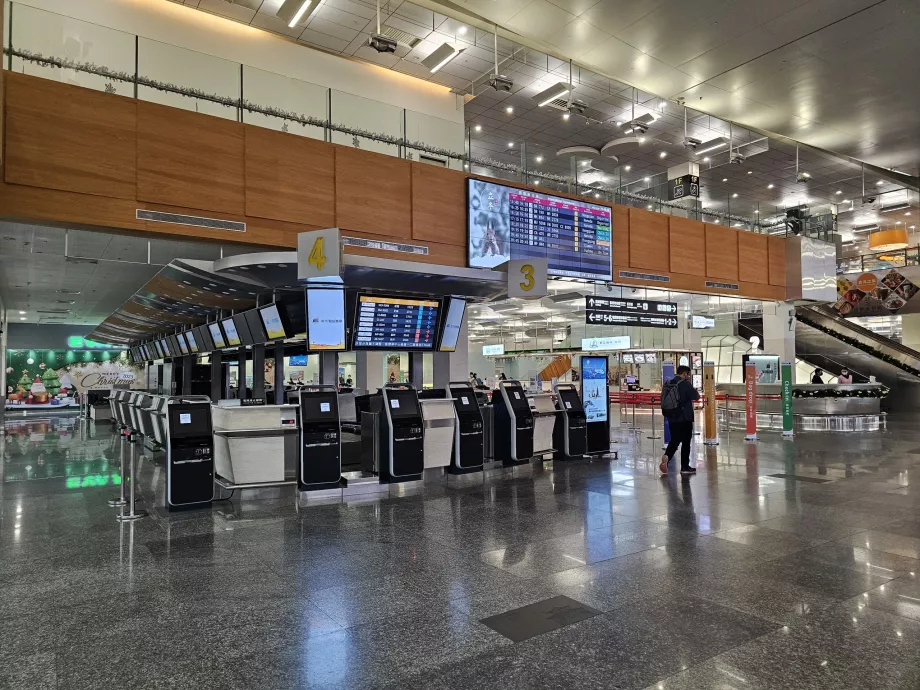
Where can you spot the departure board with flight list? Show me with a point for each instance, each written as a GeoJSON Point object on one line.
{"type": "Point", "coordinates": [395, 323]}
{"type": "Point", "coordinates": [507, 223]}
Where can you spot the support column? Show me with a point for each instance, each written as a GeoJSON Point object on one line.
{"type": "Point", "coordinates": [369, 371]}
{"type": "Point", "coordinates": [416, 371]}
{"type": "Point", "coordinates": [258, 371]}
{"type": "Point", "coordinates": [779, 330]}
{"type": "Point", "coordinates": [217, 387]}
{"type": "Point", "coordinates": [279, 375]}
{"type": "Point", "coordinates": [188, 365]}
{"type": "Point", "coordinates": [329, 368]}
{"type": "Point", "coordinates": [453, 366]}
{"type": "Point", "coordinates": [910, 331]}
{"type": "Point", "coordinates": [241, 374]}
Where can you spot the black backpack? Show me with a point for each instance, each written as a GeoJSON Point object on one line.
{"type": "Point", "coordinates": [670, 398]}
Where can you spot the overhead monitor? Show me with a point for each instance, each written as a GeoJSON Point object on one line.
{"type": "Point", "coordinates": [164, 348]}
{"type": "Point", "coordinates": [273, 323]}
{"type": "Point", "coordinates": [453, 321]}
{"type": "Point", "coordinates": [505, 223]}
{"type": "Point", "coordinates": [183, 345]}
{"type": "Point", "coordinates": [395, 323]}
{"type": "Point", "coordinates": [242, 329]}
{"type": "Point", "coordinates": [325, 319]}
{"type": "Point", "coordinates": [232, 335]}
{"type": "Point", "coordinates": [192, 342]}
{"type": "Point", "coordinates": [217, 336]}
{"type": "Point", "coordinates": [256, 329]}
{"type": "Point", "coordinates": [203, 336]}
{"type": "Point", "coordinates": [297, 361]}
{"type": "Point", "coordinates": [173, 343]}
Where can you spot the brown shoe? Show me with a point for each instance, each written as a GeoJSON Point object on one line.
{"type": "Point", "coordinates": [663, 467]}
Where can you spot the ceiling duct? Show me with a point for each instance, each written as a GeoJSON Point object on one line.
{"type": "Point", "coordinates": [400, 36]}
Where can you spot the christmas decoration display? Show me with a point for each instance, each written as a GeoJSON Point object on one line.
{"type": "Point", "coordinates": [880, 392]}
{"type": "Point", "coordinates": [51, 381]}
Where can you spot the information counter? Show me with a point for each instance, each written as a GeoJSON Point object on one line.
{"type": "Point", "coordinates": [255, 446]}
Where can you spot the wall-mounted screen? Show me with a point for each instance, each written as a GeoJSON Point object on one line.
{"type": "Point", "coordinates": [271, 321]}
{"type": "Point", "coordinates": [217, 336]}
{"type": "Point", "coordinates": [192, 343]}
{"type": "Point", "coordinates": [233, 336]}
{"type": "Point", "coordinates": [325, 319]}
{"type": "Point", "coordinates": [453, 321]}
{"type": "Point", "coordinates": [297, 361]}
{"type": "Point", "coordinates": [183, 345]}
{"type": "Point", "coordinates": [505, 223]}
{"type": "Point", "coordinates": [395, 323]}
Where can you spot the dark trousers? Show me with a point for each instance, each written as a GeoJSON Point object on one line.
{"type": "Point", "coordinates": [681, 435]}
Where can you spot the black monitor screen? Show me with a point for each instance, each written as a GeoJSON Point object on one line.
{"type": "Point", "coordinates": [272, 323]}
{"type": "Point", "coordinates": [464, 399]}
{"type": "Point", "coordinates": [242, 329]}
{"type": "Point", "coordinates": [325, 319]}
{"type": "Point", "coordinates": [453, 320]}
{"type": "Point", "coordinates": [192, 343]}
{"type": "Point", "coordinates": [403, 403]}
{"type": "Point", "coordinates": [506, 223]}
{"type": "Point", "coordinates": [187, 420]}
{"type": "Point", "coordinates": [570, 400]}
{"type": "Point", "coordinates": [319, 406]}
{"type": "Point", "coordinates": [256, 329]}
{"type": "Point", "coordinates": [217, 336]}
{"type": "Point", "coordinates": [395, 323]}
{"type": "Point", "coordinates": [164, 348]}
{"type": "Point", "coordinates": [518, 399]}
{"type": "Point", "coordinates": [183, 344]}
{"type": "Point", "coordinates": [233, 336]}
{"type": "Point", "coordinates": [203, 336]}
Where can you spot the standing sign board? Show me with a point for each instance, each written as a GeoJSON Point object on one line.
{"type": "Point", "coordinates": [750, 401]}
{"type": "Point", "coordinates": [596, 401]}
{"type": "Point", "coordinates": [711, 432]}
{"type": "Point", "coordinates": [786, 377]}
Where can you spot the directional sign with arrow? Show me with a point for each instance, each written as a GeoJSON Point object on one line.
{"type": "Point", "coordinates": [615, 311]}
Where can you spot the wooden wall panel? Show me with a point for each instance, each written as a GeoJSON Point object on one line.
{"type": "Point", "coordinates": [438, 204]}
{"type": "Point", "coordinates": [60, 136]}
{"type": "Point", "coordinates": [776, 250]}
{"type": "Point", "coordinates": [620, 220]}
{"type": "Point", "coordinates": [191, 160]}
{"type": "Point", "coordinates": [721, 252]}
{"type": "Point", "coordinates": [373, 193]}
{"type": "Point", "coordinates": [289, 178]}
{"type": "Point", "coordinates": [648, 240]}
{"type": "Point", "coordinates": [687, 246]}
{"type": "Point", "coordinates": [753, 265]}
{"type": "Point", "coordinates": [690, 283]}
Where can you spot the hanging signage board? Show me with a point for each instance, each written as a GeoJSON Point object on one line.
{"type": "Point", "coordinates": [618, 342]}
{"type": "Point", "coordinates": [528, 277]}
{"type": "Point", "coordinates": [683, 186]}
{"type": "Point", "coordinates": [711, 431]}
{"type": "Point", "coordinates": [319, 255]}
{"type": "Point", "coordinates": [786, 377]}
{"type": "Point", "coordinates": [617, 311]}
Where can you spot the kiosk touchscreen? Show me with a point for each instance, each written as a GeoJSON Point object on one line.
{"type": "Point", "coordinates": [321, 439]}
{"type": "Point", "coordinates": [468, 434]}
{"type": "Point", "coordinates": [513, 430]}
{"type": "Point", "coordinates": [402, 449]}
{"type": "Point", "coordinates": [570, 435]}
{"type": "Point", "coordinates": [189, 453]}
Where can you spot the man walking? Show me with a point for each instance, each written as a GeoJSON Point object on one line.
{"type": "Point", "coordinates": [677, 398]}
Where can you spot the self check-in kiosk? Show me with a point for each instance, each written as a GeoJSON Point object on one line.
{"type": "Point", "coordinates": [402, 448]}
{"type": "Point", "coordinates": [468, 434]}
{"type": "Point", "coordinates": [513, 425]}
{"type": "Point", "coordinates": [321, 439]}
{"type": "Point", "coordinates": [570, 436]}
{"type": "Point", "coordinates": [189, 452]}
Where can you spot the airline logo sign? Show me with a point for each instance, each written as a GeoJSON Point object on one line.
{"type": "Point", "coordinates": [615, 311]}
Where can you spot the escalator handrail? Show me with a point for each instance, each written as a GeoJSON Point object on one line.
{"type": "Point", "coordinates": [827, 313]}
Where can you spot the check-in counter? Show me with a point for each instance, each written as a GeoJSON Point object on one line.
{"type": "Point", "coordinates": [544, 421]}
{"type": "Point", "coordinates": [255, 445]}
{"type": "Point", "coordinates": [439, 423]}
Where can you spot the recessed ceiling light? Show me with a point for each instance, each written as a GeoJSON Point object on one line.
{"type": "Point", "coordinates": [907, 214]}
{"type": "Point", "coordinates": [649, 207]}
{"type": "Point", "coordinates": [565, 116]}
{"type": "Point", "coordinates": [478, 128]}
{"type": "Point", "coordinates": [539, 159]}
{"type": "Point", "coordinates": [461, 30]}
{"type": "Point", "coordinates": [296, 11]}
{"type": "Point", "coordinates": [21, 313]}
{"type": "Point", "coordinates": [845, 201]}
{"type": "Point", "coordinates": [22, 318]}
{"type": "Point", "coordinates": [646, 179]}
{"type": "Point", "coordinates": [618, 123]}
{"type": "Point", "coordinates": [880, 183]}
{"type": "Point", "coordinates": [724, 179]}
{"type": "Point", "coordinates": [756, 211]}
{"type": "Point", "coordinates": [466, 166]}
{"type": "Point", "coordinates": [440, 56]}
{"type": "Point", "coordinates": [583, 163]}
{"type": "Point", "coordinates": [750, 172]}
{"type": "Point", "coordinates": [735, 195]}
{"type": "Point", "coordinates": [913, 227]}
{"type": "Point", "coordinates": [627, 168]}
{"type": "Point", "coordinates": [509, 109]}
{"type": "Point", "coordinates": [641, 140]}
{"type": "Point", "coordinates": [839, 191]}
{"type": "Point", "coordinates": [663, 154]}
{"type": "Point", "coordinates": [510, 144]}
{"type": "Point", "coordinates": [706, 159]}
{"type": "Point", "coordinates": [769, 186]}
{"type": "Point", "coordinates": [597, 196]}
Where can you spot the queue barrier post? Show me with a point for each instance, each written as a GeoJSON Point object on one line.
{"type": "Point", "coordinates": [133, 513]}
{"type": "Point", "coordinates": [654, 426]}
{"type": "Point", "coordinates": [120, 501]}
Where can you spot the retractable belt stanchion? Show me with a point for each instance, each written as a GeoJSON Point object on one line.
{"type": "Point", "coordinates": [120, 501]}
{"type": "Point", "coordinates": [132, 513]}
{"type": "Point", "coordinates": [654, 426]}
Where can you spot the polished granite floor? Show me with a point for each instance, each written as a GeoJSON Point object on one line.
{"type": "Point", "coordinates": [733, 578]}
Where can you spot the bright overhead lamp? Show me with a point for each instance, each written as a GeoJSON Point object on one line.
{"type": "Point", "coordinates": [509, 109]}
{"type": "Point", "coordinates": [440, 57]}
{"type": "Point", "coordinates": [663, 154]}
{"type": "Point", "coordinates": [839, 191]}
{"type": "Point", "coordinates": [724, 179]}
{"type": "Point", "coordinates": [706, 159]}
{"type": "Point", "coordinates": [894, 207]}
{"type": "Point", "coordinates": [21, 313]}
{"type": "Point", "coordinates": [866, 228]}
{"type": "Point", "coordinates": [294, 12]}
{"type": "Point", "coordinates": [712, 145]}
{"type": "Point", "coordinates": [565, 116]}
{"type": "Point", "coordinates": [646, 179]}
{"type": "Point", "coordinates": [555, 91]}
{"type": "Point", "coordinates": [880, 183]}
{"type": "Point", "coordinates": [539, 159]}
{"type": "Point", "coordinates": [735, 195]}
{"type": "Point", "coordinates": [627, 168]}
{"type": "Point", "coordinates": [769, 186]}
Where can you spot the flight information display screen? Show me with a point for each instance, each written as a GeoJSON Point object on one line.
{"type": "Point", "coordinates": [453, 321]}
{"type": "Point", "coordinates": [192, 343]}
{"type": "Point", "coordinates": [506, 223]}
{"type": "Point", "coordinates": [395, 323]}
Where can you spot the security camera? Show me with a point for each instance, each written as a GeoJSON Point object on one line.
{"type": "Point", "coordinates": [691, 143]}
{"type": "Point", "coordinates": [381, 43]}
{"type": "Point", "coordinates": [869, 199]}
{"type": "Point", "coordinates": [737, 158]}
{"type": "Point", "coordinates": [500, 82]}
{"type": "Point", "coordinates": [802, 177]}
{"type": "Point", "coordinates": [578, 107]}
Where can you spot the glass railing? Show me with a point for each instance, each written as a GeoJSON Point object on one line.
{"type": "Point", "coordinates": [897, 258]}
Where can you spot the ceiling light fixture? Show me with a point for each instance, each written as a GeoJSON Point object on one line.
{"type": "Point", "coordinates": [735, 195]}
{"type": "Point", "coordinates": [646, 179]}
{"type": "Point", "coordinates": [478, 128]}
{"type": "Point", "coordinates": [461, 30]}
{"type": "Point", "coordinates": [769, 186]}
{"type": "Point", "coordinates": [706, 159]}
{"type": "Point", "coordinates": [641, 140]}
{"type": "Point", "coordinates": [894, 207]}
{"type": "Point", "coordinates": [565, 116]}
{"type": "Point", "coordinates": [839, 191]}
{"type": "Point", "coordinates": [724, 179]}
{"type": "Point", "coordinates": [293, 12]}
{"type": "Point", "coordinates": [510, 144]}
{"type": "Point", "coordinates": [712, 145]}
{"type": "Point", "coordinates": [539, 159]}
{"type": "Point", "coordinates": [549, 95]}
{"type": "Point", "coordinates": [627, 168]}
{"type": "Point", "coordinates": [597, 196]}
{"type": "Point", "coordinates": [649, 207]}
{"type": "Point", "coordinates": [440, 57]}
{"type": "Point", "coordinates": [662, 154]}
{"type": "Point", "coordinates": [750, 172]}
{"type": "Point", "coordinates": [21, 313]}
{"type": "Point", "coordinates": [880, 183]}
{"type": "Point", "coordinates": [509, 110]}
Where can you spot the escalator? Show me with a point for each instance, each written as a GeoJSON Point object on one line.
{"type": "Point", "coordinates": [828, 341]}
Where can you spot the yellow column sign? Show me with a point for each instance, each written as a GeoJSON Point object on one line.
{"type": "Point", "coordinates": [711, 430]}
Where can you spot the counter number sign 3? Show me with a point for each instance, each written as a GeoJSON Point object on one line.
{"type": "Point", "coordinates": [527, 277]}
{"type": "Point", "coordinates": [319, 254]}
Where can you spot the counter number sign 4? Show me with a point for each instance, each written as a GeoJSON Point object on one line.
{"type": "Point", "coordinates": [527, 277]}
{"type": "Point", "coordinates": [319, 254]}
